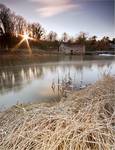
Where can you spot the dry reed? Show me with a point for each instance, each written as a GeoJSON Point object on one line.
{"type": "Point", "coordinates": [85, 120]}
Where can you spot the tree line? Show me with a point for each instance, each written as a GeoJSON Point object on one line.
{"type": "Point", "coordinates": [12, 26]}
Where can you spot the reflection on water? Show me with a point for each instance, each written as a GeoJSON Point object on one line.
{"type": "Point", "coordinates": [17, 77]}
{"type": "Point", "coordinates": [32, 82]}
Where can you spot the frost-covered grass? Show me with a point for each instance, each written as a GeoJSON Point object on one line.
{"type": "Point", "coordinates": [85, 120]}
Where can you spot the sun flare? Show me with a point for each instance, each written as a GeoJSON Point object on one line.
{"type": "Point", "coordinates": [26, 36]}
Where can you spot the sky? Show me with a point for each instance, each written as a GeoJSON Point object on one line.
{"type": "Point", "coordinates": [95, 17]}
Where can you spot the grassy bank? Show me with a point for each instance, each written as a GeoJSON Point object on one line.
{"type": "Point", "coordinates": [85, 120]}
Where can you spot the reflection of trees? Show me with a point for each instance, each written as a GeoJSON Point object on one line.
{"type": "Point", "coordinates": [15, 77]}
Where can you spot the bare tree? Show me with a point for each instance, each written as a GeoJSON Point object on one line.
{"type": "Point", "coordinates": [7, 26]}
{"type": "Point", "coordinates": [36, 30]}
{"type": "Point", "coordinates": [104, 43]}
{"type": "Point", "coordinates": [52, 36]}
{"type": "Point", "coordinates": [20, 24]}
{"type": "Point", "coordinates": [81, 39]}
{"type": "Point", "coordinates": [65, 37]}
{"type": "Point", "coordinates": [5, 19]}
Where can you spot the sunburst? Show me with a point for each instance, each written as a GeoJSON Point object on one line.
{"type": "Point", "coordinates": [25, 38]}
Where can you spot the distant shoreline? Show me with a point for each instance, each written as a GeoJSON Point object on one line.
{"type": "Point", "coordinates": [21, 54]}
{"type": "Point", "coordinates": [48, 52]}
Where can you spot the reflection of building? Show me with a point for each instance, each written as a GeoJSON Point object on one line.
{"type": "Point", "coordinates": [72, 48]}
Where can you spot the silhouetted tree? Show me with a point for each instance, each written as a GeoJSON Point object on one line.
{"type": "Point", "coordinates": [20, 25]}
{"type": "Point", "coordinates": [7, 26]}
{"type": "Point", "coordinates": [104, 43]}
{"type": "Point", "coordinates": [81, 39]}
{"type": "Point", "coordinates": [94, 38]}
{"type": "Point", "coordinates": [36, 31]}
{"type": "Point", "coordinates": [52, 36]}
{"type": "Point", "coordinates": [65, 37]}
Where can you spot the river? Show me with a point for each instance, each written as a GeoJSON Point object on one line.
{"type": "Point", "coordinates": [26, 81]}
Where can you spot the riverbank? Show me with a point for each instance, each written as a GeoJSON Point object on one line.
{"type": "Point", "coordinates": [25, 53]}
{"type": "Point", "coordinates": [22, 58]}
{"type": "Point", "coordinates": [85, 120]}
{"type": "Point", "coordinates": [43, 55]}
{"type": "Point", "coordinates": [39, 52]}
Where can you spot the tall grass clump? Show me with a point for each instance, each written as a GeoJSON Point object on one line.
{"type": "Point", "coordinates": [85, 120]}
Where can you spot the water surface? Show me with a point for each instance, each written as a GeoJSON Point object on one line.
{"type": "Point", "coordinates": [23, 81]}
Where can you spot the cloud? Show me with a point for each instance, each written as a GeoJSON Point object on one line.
{"type": "Point", "coordinates": [48, 8]}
